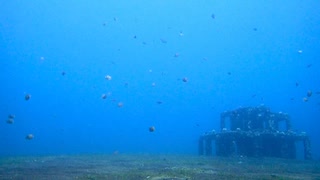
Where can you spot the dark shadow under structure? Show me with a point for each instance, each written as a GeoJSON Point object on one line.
{"type": "Point", "coordinates": [254, 132]}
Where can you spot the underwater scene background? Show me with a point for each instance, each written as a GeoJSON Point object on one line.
{"type": "Point", "coordinates": [93, 76]}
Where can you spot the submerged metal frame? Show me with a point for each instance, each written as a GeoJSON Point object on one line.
{"type": "Point", "coordinates": [254, 132]}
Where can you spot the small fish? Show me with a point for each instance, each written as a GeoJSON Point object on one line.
{"type": "Point", "coordinates": [103, 96]}
{"type": "Point", "coordinates": [108, 77]}
{"type": "Point", "coordinates": [27, 97]}
{"type": "Point", "coordinates": [309, 93]}
{"type": "Point", "coordinates": [11, 116]}
{"type": "Point", "coordinates": [152, 129]}
{"type": "Point", "coordinates": [185, 79]}
{"type": "Point", "coordinates": [10, 121]}
{"type": "Point", "coordinates": [29, 136]}
{"type": "Point", "coordinates": [163, 40]}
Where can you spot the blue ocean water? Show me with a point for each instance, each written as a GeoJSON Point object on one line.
{"type": "Point", "coordinates": [231, 54]}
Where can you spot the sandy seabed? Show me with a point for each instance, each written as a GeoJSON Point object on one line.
{"type": "Point", "coordinates": [155, 167]}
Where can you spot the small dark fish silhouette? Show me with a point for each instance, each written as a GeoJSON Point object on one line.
{"type": "Point", "coordinates": [10, 121]}
{"type": "Point", "coordinates": [185, 79]}
{"type": "Point", "coordinates": [152, 129]}
{"type": "Point", "coordinates": [159, 102]}
{"type": "Point", "coordinates": [213, 16]}
{"type": "Point", "coordinates": [27, 97]}
{"type": "Point", "coordinates": [11, 116]}
{"type": "Point", "coordinates": [29, 136]}
{"type": "Point", "coordinates": [309, 93]}
{"type": "Point", "coordinates": [103, 96]}
{"type": "Point", "coordinates": [163, 40]}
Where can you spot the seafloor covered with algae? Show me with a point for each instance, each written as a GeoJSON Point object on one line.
{"type": "Point", "coordinates": [155, 167]}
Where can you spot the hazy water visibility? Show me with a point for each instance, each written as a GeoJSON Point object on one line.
{"type": "Point", "coordinates": [232, 53]}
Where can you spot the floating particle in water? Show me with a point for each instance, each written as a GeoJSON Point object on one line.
{"type": "Point", "coordinates": [185, 79]}
{"type": "Point", "coordinates": [63, 73]}
{"type": "Point", "coordinates": [309, 65]}
{"type": "Point", "coordinates": [309, 93]}
{"type": "Point", "coordinates": [181, 33]}
{"type": "Point", "coordinates": [108, 77]}
{"type": "Point", "coordinates": [29, 136]}
{"type": "Point", "coordinates": [27, 97]}
{"type": "Point", "coordinates": [254, 29]}
{"type": "Point", "coordinates": [305, 99]}
{"type": "Point", "coordinates": [152, 129]}
{"type": "Point", "coordinates": [176, 55]}
{"type": "Point", "coordinates": [120, 104]}
{"type": "Point", "coordinates": [153, 84]}
{"type": "Point", "coordinates": [300, 51]}
{"type": "Point", "coordinates": [213, 16]}
{"type": "Point", "coordinates": [135, 37]}
{"type": "Point", "coordinates": [103, 96]}
{"type": "Point", "coordinates": [297, 84]}
{"type": "Point", "coordinates": [10, 121]}
{"type": "Point", "coordinates": [229, 73]}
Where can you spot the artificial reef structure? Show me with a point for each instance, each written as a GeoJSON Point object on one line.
{"type": "Point", "coordinates": [254, 132]}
